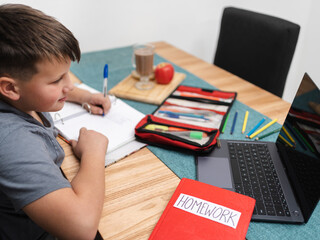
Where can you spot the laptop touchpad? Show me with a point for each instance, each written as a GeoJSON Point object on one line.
{"type": "Point", "coordinates": [216, 171]}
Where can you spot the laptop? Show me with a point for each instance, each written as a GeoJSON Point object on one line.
{"type": "Point", "coordinates": [283, 176]}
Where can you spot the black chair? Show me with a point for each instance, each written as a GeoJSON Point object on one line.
{"type": "Point", "coordinates": [256, 47]}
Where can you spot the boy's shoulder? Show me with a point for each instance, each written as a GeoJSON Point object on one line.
{"type": "Point", "coordinates": [13, 128]}
{"type": "Point", "coordinates": [10, 119]}
{"type": "Point", "coordinates": [14, 123]}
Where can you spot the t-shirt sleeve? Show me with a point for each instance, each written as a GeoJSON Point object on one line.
{"type": "Point", "coordinates": [28, 168]}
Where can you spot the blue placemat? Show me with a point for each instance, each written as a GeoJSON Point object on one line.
{"type": "Point", "coordinates": [90, 71]}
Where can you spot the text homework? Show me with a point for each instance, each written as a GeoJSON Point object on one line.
{"type": "Point", "coordinates": [209, 210]}
{"type": "Point", "coordinates": [198, 210]}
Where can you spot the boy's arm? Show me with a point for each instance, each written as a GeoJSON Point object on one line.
{"type": "Point", "coordinates": [98, 103]}
{"type": "Point", "coordinates": [74, 213]}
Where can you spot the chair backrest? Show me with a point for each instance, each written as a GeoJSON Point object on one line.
{"type": "Point", "coordinates": [256, 47]}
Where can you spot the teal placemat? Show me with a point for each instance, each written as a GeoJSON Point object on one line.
{"type": "Point", "coordinates": [90, 71]}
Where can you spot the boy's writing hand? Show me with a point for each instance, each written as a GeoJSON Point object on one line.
{"type": "Point", "coordinates": [90, 142]}
{"type": "Point", "coordinates": [99, 104]}
{"type": "Point", "coordinates": [94, 103]}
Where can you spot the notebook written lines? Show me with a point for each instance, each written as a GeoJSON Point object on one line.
{"type": "Point", "coordinates": [118, 125]}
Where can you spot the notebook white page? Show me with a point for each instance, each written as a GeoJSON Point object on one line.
{"type": "Point", "coordinates": [118, 125]}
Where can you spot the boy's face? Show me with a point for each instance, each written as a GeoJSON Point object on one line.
{"type": "Point", "coordinates": [47, 90]}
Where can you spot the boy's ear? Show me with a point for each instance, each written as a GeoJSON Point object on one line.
{"type": "Point", "coordinates": [9, 88]}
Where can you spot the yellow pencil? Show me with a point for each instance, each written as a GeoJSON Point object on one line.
{"type": "Point", "coordinates": [285, 140]}
{"type": "Point", "coordinates": [245, 122]}
{"type": "Point", "coordinates": [263, 128]}
{"type": "Point", "coordinates": [289, 136]}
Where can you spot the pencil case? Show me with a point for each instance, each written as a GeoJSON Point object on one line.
{"type": "Point", "coordinates": [190, 118]}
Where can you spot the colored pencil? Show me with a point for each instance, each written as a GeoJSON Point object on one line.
{"type": "Point", "coordinates": [256, 127]}
{"type": "Point", "coordinates": [245, 122]}
{"type": "Point", "coordinates": [296, 136]}
{"type": "Point", "coordinates": [234, 122]}
{"type": "Point", "coordinates": [263, 128]}
{"type": "Point", "coordinates": [285, 140]}
{"type": "Point", "coordinates": [268, 134]}
{"type": "Point", "coordinates": [303, 139]}
{"type": "Point", "coordinates": [225, 123]}
{"type": "Point", "coordinates": [64, 139]}
{"type": "Point", "coordinates": [288, 135]}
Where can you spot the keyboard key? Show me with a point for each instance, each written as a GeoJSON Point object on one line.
{"type": "Point", "coordinates": [279, 210]}
{"type": "Point", "coordinates": [268, 204]}
{"type": "Point", "coordinates": [287, 212]}
{"type": "Point", "coordinates": [270, 211]}
{"type": "Point", "coordinates": [260, 208]}
{"type": "Point", "coordinates": [276, 202]}
{"type": "Point", "coordinates": [267, 198]}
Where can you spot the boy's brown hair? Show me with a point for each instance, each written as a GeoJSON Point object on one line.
{"type": "Point", "coordinates": [28, 36]}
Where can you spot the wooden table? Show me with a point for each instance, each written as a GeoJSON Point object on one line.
{"type": "Point", "coordinates": [139, 187]}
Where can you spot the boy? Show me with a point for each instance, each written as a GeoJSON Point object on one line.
{"type": "Point", "coordinates": [35, 198]}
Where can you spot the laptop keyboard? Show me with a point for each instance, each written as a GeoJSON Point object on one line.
{"type": "Point", "coordinates": [255, 176]}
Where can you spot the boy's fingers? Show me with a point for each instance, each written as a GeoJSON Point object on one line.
{"type": "Point", "coordinates": [82, 129]}
{"type": "Point", "coordinates": [96, 110]}
{"type": "Point", "coordinates": [106, 105]}
{"type": "Point", "coordinates": [73, 142]}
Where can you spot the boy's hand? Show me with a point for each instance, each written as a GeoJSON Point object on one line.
{"type": "Point", "coordinates": [74, 213]}
{"type": "Point", "coordinates": [95, 103]}
{"type": "Point", "coordinates": [89, 142]}
{"type": "Point", "coordinates": [99, 104]}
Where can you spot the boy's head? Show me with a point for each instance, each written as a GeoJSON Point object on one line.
{"type": "Point", "coordinates": [28, 37]}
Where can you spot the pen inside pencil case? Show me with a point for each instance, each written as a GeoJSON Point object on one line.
{"type": "Point", "coordinates": [202, 118]}
{"type": "Point", "coordinates": [182, 115]}
{"type": "Point", "coordinates": [188, 120]}
{"type": "Point", "coordinates": [190, 135]}
{"type": "Point", "coordinates": [179, 109]}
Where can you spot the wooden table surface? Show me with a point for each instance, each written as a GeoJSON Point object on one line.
{"type": "Point", "coordinates": [139, 187]}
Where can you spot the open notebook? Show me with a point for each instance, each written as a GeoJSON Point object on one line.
{"type": "Point", "coordinates": [118, 125]}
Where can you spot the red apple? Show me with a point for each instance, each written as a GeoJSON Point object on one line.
{"type": "Point", "coordinates": [164, 73]}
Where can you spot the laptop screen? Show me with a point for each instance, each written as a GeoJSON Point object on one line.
{"type": "Point", "coordinates": [299, 145]}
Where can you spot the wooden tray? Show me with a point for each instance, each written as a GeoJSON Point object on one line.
{"type": "Point", "coordinates": [126, 89]}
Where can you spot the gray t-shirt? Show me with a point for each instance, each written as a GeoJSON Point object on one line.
{"type": "Point", "coordinates": [30, 160]}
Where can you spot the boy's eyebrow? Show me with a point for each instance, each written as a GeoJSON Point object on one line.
{"type": "Point", "coordinates": [60, 76]}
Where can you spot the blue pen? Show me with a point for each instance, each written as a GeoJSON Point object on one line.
{"type": "Point", "coordinates": [234, 122]}
{"type": "Point", "coordinates": [105, 82]}
{"type": "Point", "coordinates": [174, 115]}
{"type": "Point", "coordinates": [255, 127]}
{"type": "Point", "coordinates": [184, 114]}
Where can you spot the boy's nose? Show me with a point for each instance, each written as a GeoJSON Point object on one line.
{"type": "Point", "coordinates": [69, 84]}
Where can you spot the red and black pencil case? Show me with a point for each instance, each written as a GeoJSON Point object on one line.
{"type": "Point", "coordinates": [190, 118]}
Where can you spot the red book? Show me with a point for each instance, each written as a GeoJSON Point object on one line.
{"type": "Point", "coordinates": [198, 210]}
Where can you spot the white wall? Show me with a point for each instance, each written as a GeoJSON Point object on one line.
{"type": "Point", "coordinates": [192, 25]}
